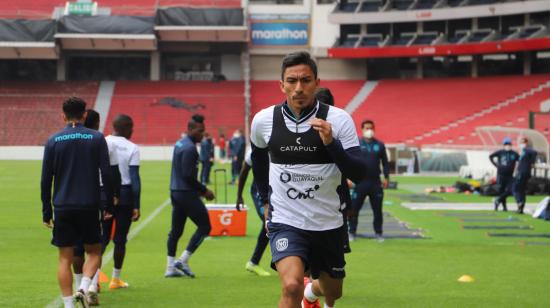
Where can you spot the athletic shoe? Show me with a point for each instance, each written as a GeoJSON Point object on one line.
{"type": "Point", "coordinates": [256, 269]}
{"type": "Point", "coordinates": [80, 299]}
{"type": "Point", "coordinates": [92, 298]}
{"type": "Point", "coordinates": [173, 273]}
{"type": "Point", "coordinates": [184, 267]}
{"type": "Point", "coordinates": [117, 284]}
{"type": "Point", "coordinates": [379, 238]}
{"type": "Point", "coordinates": [351, 237]}
{"type": "Point", "coordinates": [305, 302]}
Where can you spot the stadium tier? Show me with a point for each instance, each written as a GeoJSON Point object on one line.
{"type": "Point", "coordinates": [436, 111]}
{"type": "Point", "coordinates": [31, 111]}
{"type": "Point", "coordinates": [45, 8]}
{"type": "Point", "coordinates": [161, 109]}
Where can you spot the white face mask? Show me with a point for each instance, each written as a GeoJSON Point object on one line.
{"type": "Point", "coordinates": [507, 147]}
{"type": "Point", "coordinates": [368, 133]}
{"type": "Point", "coordinates": [522, 146]}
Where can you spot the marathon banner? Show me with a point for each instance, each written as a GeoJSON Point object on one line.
{"type": "Point", "coordinates": [279, 30]}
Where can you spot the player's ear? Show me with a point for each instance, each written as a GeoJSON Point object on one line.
{"type": "Point", "coordinates": [64, 117]}
{"type": "Point", "coordinates": [282, 86]}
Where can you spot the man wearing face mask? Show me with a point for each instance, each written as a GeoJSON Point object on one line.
{"type": "Point", "coordinates": [505, 161]}
{"type": "Point", "coordinates": [374, 154]}
{"type": "Point", "coordinates": [527, 159]}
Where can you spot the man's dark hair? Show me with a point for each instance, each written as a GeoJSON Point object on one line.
{"type": "Point", "coordinates": [367, 122]}
{"type": "Point", "coordinates": [74, 108]}
{"type": "Point", "coordinates": [297, 58]}
{"type": "Point", "coordinates": [122, 123]}
{"type": "Point", "coordinates": [195, 119]}
{"type": "Point", "coordinates": [92, 119]}
{"type": "Point", "coordinates": [324, 96]}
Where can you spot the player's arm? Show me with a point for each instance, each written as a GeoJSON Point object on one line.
{"type": "Point", "coordinates": [46, 185]}
{"type": "Point", "coordinates": [260, 154]}
{"type": "Point", "coordinates": [135, 180]}
{"type": "Point", "coordinates": [385, 165]}
{"type": "Point", "coordinates": [106, 176]}
{"type": "Point", "coordinates": [189, 158]}
{"type": "Point", "coordinates": [349, 160]}
{"type": "Point", "coordinates": [492, 158]}
{"type": "Point", "coordinates": [242, 180]}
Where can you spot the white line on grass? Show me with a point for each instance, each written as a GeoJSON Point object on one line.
{"type": "Point", "coordinates": [109, 255]}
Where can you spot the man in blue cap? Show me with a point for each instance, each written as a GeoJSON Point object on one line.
{"type": "Point", "coordinates": [527, 159]}
{"type": "Point", "coordinates": [505, 160]}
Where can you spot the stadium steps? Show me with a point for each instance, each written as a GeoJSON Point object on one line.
{"type": "Point", "coordinates": [30, 111]}
{"type": "Point", "coordinates": [103, 102]}
{"type": "Point", "coordinates": [361, 96]}
{"type": "Point", "coordinates": [405, 110]}
{"type": "Point", "coordinates": [161, 109]}
{"type": "Point", "coordinates": [510, 112]}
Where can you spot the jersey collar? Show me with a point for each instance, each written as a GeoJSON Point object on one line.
{"type": "Point", "coordinates": [305, 114]}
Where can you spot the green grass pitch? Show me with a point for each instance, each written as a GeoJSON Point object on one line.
{"type": "Point", "coordinates": [396, 273]}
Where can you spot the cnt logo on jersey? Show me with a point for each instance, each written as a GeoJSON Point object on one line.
{"type": "Point", "coordinates": [281, 244]}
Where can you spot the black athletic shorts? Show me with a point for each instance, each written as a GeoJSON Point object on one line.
{"type": "Point", "coordinates": [321, 251]}
{"type": "Point", "coordinates": [72, 226]}
{"type": "Point", "coordinates": [122, 219]}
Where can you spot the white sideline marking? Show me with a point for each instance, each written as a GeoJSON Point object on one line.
{"type": "Point", "coordinates": [56, 303]}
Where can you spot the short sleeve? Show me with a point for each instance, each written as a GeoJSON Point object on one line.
{"type": "Point", "coordinates": [113, 155]}
{"type": "Point", "coordinates": [346, 133]}
{"type": "Point", "coordinates": [257, 129]}
{"type": "Point", "coordinates": [134, 159]}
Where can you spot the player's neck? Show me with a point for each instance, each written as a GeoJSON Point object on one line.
{"type": "Point", "coordinates": [298, 111]}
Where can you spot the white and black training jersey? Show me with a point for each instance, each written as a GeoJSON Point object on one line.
{"type": "Point", "coordinates": [303, 179]}
{"type": "Point", "coordinates": [127, 154]}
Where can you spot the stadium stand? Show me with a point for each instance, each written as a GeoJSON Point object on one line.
{"type": "Point", "coordinates": [161, 109]}
{"type": "Point", "coordinates": [407, 110]}
{"type": "Point", "coordinates": [31, 111]}
{"type": "Point", "coordinates": [44, 8]}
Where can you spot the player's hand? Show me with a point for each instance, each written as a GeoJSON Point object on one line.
{"type": "Point", "coordinates": [350, 183]}
{"type": "Point", "coordinates": [385, 183]}
{"type": "Point", "coordinates": [240, 203]}
{"type": "Point", "coordinates": [209, 195]}
{"type": "Point", "coordinates": [324, 128]}
{"type": "Point", "coordinates": [135, 215]}
{"type": "Point", "coordinates": [48, 224]}
{"type": "Point", "coordinates": [107, 215]}
{"type": "Point", "coordinates": [115, 201]}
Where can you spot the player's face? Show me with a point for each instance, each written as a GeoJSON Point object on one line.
{"type": "Point", "coordinates": [299, 85]}
{"type": "Point", "coordinates": [197, 132]}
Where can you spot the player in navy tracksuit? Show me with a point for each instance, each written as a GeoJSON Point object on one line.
{"type": "Point", "coordinates": [527, 159]}
{"type": "Point", "coordinates": [505, 161]}
{"type": "Point", "coordinates": [207, 158]}
{"type": "Point", "coordinates": [185, 192]}
{"type": "Point", "coordinates": [237, 147]}
{"type": "Point", "coordinates": [374, 153]}
{"type": "Point", "coordinates": [73, 158]}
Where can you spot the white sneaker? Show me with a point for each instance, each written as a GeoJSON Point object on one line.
{"type": "Point", "coordinates": [379, 238]}
{"type": "Point", "coordinates": [351, 237]}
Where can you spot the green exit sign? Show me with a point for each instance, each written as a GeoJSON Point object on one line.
{"type": "Point", "coordinates": [81, 8]}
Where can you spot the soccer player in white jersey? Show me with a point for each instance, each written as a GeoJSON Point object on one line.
{"type": "Point", "coordinates": [301, 149]}
{"type": "Point", "coordinates": [128, 208]}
